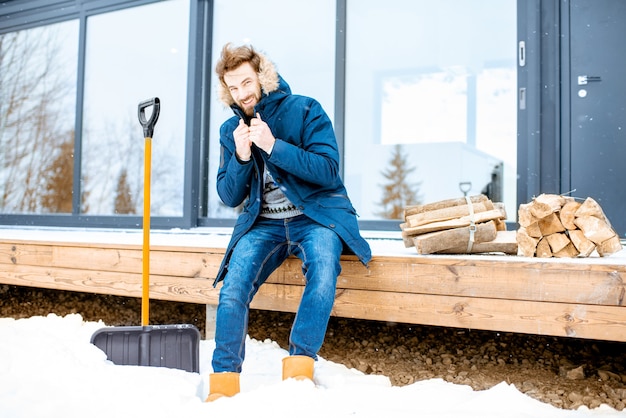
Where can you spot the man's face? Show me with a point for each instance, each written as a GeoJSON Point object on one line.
{"type": "Point", "coordinates": [243, 84]}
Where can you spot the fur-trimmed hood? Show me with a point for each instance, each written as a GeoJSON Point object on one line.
{"type": "Point", "coordinates": [268, 77]}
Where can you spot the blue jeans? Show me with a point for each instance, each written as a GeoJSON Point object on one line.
{"type": "Point", "coordinates": [255, 257]}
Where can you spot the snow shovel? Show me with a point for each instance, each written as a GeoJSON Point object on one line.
{"type": "Point", "coordinates": [173, 346]}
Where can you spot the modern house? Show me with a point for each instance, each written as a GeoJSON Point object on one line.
{"type": "Point", "coordinates": [532, 87]}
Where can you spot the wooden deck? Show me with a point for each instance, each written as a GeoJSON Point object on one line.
{"type": "Point", "coordinates": [582, 298]}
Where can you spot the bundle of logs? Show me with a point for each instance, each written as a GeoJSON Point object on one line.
{"type": "Point", "coordinates": [465, 225]}
{"type": "Point", "coordinates": [558, 226]}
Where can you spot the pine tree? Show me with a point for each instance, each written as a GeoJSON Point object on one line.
{"type": "Point", "coordinates": [59, 177]}
{"type": "Point", "coordinates": [123, 199]}
{"type": "Point", "coordinates": [398, 193]}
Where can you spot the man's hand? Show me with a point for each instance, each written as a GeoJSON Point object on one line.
{"type": "Point", "coordinates": [261, 135]}
{"type": "Point", "coordinates": [242, 141]}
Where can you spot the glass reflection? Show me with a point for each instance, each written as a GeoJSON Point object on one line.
{"type": "Point", "coordinates": [439, 79]}
{"type": "Point", "coordinates": [302, 46]}
{"type": "Point", "coordinates": [131, 58]}
{"type": "Point", "coordinates": [37, 113]}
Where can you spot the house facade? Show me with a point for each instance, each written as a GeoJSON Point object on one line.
{"type": "Point", "coordinates": [470, 89]}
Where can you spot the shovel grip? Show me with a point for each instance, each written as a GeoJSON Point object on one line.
{"type": "Point", "coordinates": [148, 124]}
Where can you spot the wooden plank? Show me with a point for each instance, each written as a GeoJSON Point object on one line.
{"type": "Point", "coordinates": [573, 320]}
{"type": "Point", "coordinates": [580, 298]}
{"type": "Point", "coordinates": [202, 263]}
{"type": "Point", "coordinates": [565, 320]}
{"type": "Point", "coordinates": [548, 282]}
{"type": "Point", "coordinates": [180, 289]}
{"type": "Point", "coordinates": [495, 277]}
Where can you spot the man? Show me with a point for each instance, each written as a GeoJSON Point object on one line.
{"type": "Point", "coordinates": [279, 155]}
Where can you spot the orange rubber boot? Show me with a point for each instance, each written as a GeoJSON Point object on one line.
{"type": "Point", "coordinates": [298, 367]}
{"type": "Point", "coordinates": [222, 384]}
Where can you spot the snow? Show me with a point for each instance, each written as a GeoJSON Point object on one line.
{"type": "Point", "coordinates": [49, 368]}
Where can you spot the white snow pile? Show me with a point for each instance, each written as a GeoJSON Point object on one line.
{"type": "Point", "coordinates": [49, 368]}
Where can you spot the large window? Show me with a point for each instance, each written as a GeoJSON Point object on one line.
{"type": "Point", "coordinates": [69, 133]}
{"type": "Point", "coordinates": [434, 84]}
{"type": "Point", "coordinates": [37, 112]}
{"type": "Point", "coordinates": [421, 86]}
{"type": "Point", "coordinates": [133, 55]}
{"type": "Point", "coordinates": [298, 36]}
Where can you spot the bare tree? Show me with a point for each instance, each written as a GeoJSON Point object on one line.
{"type": "Point", "coordinates": [32, 128]}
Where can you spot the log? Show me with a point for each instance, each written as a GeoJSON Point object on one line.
{"type": "Point", "coordinates": [595, 229]}
{"type": "Point", "coordinates": [569, 251]}
{"type": "Point", "coordinates": [558, 241]}
{"type": "Point", "coordinates": [580, 241]}
{"type": "Point", "coordinates": [550, 224]}
{"type": "Point", "coordinates": [526, 244]}
{"type": "Point", "coordinates": [534, 230]}
{"type": "Point", "coordinates": [610, 246]}
{"type": "Point", "coordinates": [525, 216]}
{"type": "Point", "coordinates": [415, 209]}
{"type": "Point", "coordinates": [445, 214]}
{"type": "Point", "coordinates": [568, 213]}
{"type": "Point", "coordinates": [560, 226]}
{"type": "Point", "coordinates": [450, 238]}
{"type": "Point", "coordinates": [505, 242]}
{"type": "Point", "coordinates": [546, 204]}
{"type": "Point", "coordinates": [407, 240]}
{"type": "Point", "coordinates": [590, 208]}
{"type": "Point", "coordinates": [500, 223]}
{"type": "Point", "coordinates": [543, 249]}
{"type": "Point", "coordinates": [462, 222]}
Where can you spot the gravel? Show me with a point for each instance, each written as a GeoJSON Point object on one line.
{"type": "Point", "coordinates": [564, 372]}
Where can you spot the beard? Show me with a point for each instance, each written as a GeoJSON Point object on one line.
{"type": "Point", "coordinates": [248, 108]}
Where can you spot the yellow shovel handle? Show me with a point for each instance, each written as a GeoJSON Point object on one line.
{"type": "Point", "coordinates": [145, 295]}
{"type": "Point", "coordinates": [148, 128]}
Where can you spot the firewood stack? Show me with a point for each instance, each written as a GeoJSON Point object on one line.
{"type": "Point", "coordinates": [558, 226]}
{"type": "Point", "coordinates": [464, 225]}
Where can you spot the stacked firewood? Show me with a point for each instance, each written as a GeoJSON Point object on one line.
{"type": "Point", "coordinates": [464, 225]}
{"type": "Point", "coordinates": [559, 226]}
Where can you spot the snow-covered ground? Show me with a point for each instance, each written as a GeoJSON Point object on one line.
{"type": "Point", "coordinates": [49, 368]}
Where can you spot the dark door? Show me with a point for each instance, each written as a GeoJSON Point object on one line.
{"type": "Point", "coordinates": [598, 105]}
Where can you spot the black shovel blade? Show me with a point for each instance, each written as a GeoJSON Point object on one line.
{"type": "Point", "coordinates": [173, 346]}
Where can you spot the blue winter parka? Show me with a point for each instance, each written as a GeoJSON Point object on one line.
{"type": "Point", "coordinates": [304, 163]}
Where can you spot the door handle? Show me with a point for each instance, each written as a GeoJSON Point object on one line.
{"type": "Point", "coordinates": [584, 79]}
